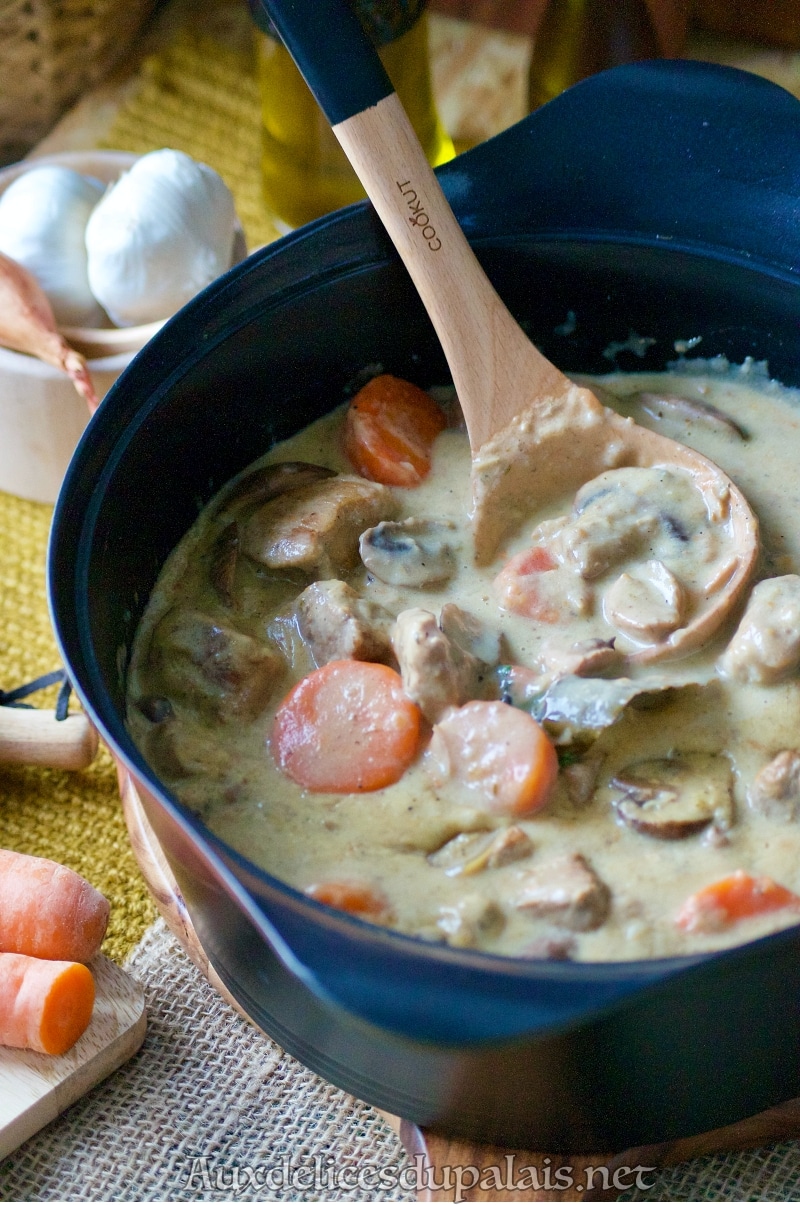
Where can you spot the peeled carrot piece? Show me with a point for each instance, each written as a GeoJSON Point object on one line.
{"type": "Point", "coordinates": [49, 911]}
{"type": "Point", "coordinates": [498, 751]}
{"type": "Point", "coordinates": [389, 431]}
{"type": "Point", "coordinates": [348, 726]}
{"type": "Point", "coordinates": [44, 1006]}
{"type": "Point", "coordinates": [734, 898]}
{"type": "Point", "coordinates": [525, 586]}
{"type": "Point", "coordinates": [348, 895]}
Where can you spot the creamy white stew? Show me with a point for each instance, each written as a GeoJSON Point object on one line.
{"type": "Point", "coordinates": [510, 771]}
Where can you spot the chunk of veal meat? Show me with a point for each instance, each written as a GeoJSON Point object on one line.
{"type": "Point", "coordinates": [336, 623]}
{"type": "Point", "coordinates": [212, 668]}
{"type": "Point", "coordinates": [437, 673]}
{"type": "Point", "coordinates": [567, 891]}
{"type": "Point", "coordinates": [175, 750]}
{"type": "Point", "coordinates": [472, 919]}
{"type": "Point", "coordinates": [776, 788]}
{"type": "Point", "coordinates": [315, 529]}
{"type": "Point", "coordinates": [648, 603]}
{"type": "Point", "coordinates": [766, 646]}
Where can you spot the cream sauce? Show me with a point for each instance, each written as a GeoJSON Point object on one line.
{"type": "Point", "coordinates": [221, 766]}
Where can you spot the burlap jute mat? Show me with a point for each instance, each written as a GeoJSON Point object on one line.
{"type": "Point", "coordinates": [210, 1110]}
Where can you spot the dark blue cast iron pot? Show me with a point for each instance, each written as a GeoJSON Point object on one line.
{"type": "Point", "coordinates": [661, 199]}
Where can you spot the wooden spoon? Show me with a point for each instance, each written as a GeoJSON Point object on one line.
{"type": "Point", "coordinates": [534, 434]}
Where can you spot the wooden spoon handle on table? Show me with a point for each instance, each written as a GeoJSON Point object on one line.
{"type": "Point", "coordinates": [534, 434]}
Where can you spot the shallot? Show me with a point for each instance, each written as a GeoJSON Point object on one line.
{"type": "Point", "coordinates": [27, 324]}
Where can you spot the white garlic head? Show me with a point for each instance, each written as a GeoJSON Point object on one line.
{"type": "Point", "coordinates": [43, 216]}
{"type": "Point", "coordinates": [162, 233]}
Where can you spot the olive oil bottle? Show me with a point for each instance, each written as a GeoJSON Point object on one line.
{"type": "Point", "coordinates": [577, 38]}
{"type": "Point", "coordinates": [304, 171]}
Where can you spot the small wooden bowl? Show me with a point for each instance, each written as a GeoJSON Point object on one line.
{"type": "Point", "coordinates": [41, 415]}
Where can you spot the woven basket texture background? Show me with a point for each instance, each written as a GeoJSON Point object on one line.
{"type": "Point", "coordinates": [51, 51]}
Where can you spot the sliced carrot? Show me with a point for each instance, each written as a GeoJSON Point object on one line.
{"type": "Point", "coordinates": [389, 431]}
{"type": "Point", "coordinates": [528, 585]}
{"type": "Point", "coordinates": [348, 726]}
{"type": "Point", "coordinates": [350, 895]}
{"type": "Point", "coordinates": [48, 911]}
{"type": "Point", "coordinates": [498, 751]}
{"type": "Point", "coordinates": [736, 897]}
{"type": "Point", "coordinates": [44, 1005]}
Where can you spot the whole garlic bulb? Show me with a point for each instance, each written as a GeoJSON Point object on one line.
{"type": "Point", "coordinates": [43, 216]}
{"type": "Point", "coordinates": [161, 234]}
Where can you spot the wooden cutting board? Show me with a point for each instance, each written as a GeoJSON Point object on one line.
{"type": "Point", "coordinates": [452, 1170]}
{"type": "Point", "coordinates": [35, 1088]}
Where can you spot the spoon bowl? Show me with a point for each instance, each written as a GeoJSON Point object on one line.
{"type": "Point", "coordinates": [533, 433]}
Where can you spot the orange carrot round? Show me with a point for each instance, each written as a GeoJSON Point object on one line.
{"type": "Point", "coordinates": [525, 586]}
{"type": "Point", "coordinates": [48, 910]}
{"type": "Point", "coordinates": [498, 751]}
{"type": "Point", "coordinates": [348, 726]}
{"type": "Point", "coordinates": [44, 1005]}
{"type": "Point", "coordinates": [736, 897]}
{"type": "Point", "coordinates": [351, 895]}
{"type": "Point", "coordinates": [389, 431]}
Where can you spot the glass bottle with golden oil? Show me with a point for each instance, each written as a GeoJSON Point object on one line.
{"type": "Point", "coordinates": [577, 38]}
{"type": "Point", "coordinates": [304, 172]}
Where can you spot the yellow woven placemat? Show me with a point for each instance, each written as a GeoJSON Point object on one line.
{"type": "Point", "coordinates": [74, 818]}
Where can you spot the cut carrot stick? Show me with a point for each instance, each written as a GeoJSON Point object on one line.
{"type": "Point", "coordinates": [44, 1006]}
{"type": "Point", "coordinates": [348, 726]}
{"type": "Point", "coordinates": [528, 586]}
{"type": "Point", "coordinates": [48, 911]}
{"type": "Point", "coordinates": [736, 897]}
{"type": "Point", "coordinates": [389, 431]}
{"type": "Point", "coordinates": [348, 895]}
{"type": "Point", "coordinates": [497, 751]}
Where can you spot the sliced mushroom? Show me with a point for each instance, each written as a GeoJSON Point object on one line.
{"type": "Point", "coordinates": [566, 890]}
{"type": "Point", "coordinates": [437, 673]}
{"type": "Point", "coordinates": [315, 529]}
{"type": "Point", "coordinates": [647, 604]}
{"type": "Point", "coordinates": [674, 797]}
{"type": "Point", "coordinates": [211, 667]}
{"type": "Point", "coordinates": [583, 658]}
{"type": "Point", "coordinates": [412, 552]}
{"type": "Point", "coordinates": [469, 853]}
{"type": "Point", "coordinates": [776, 788]}
{"type": "Point", "coordinates": [470, 921]}
{"type": "Point", "coordinates": [624, 512]}
{"type": "Point", "coordinates": [766, 646]}
{"type": "Point", "coordinates": [335, 623]}
{"type": "Point", "coordinates": [660, 405]}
